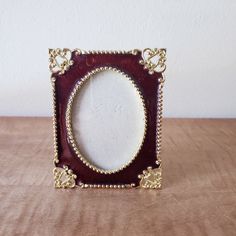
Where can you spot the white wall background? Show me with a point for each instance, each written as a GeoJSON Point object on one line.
{"type": "Point", "coordinates": [200, 37]}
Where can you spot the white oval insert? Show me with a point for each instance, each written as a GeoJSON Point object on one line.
{"type": "Point", "coordinates": [108, 120]}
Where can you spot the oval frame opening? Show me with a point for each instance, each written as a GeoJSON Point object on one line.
{"type": "Point", "coordinates": [69, 125]}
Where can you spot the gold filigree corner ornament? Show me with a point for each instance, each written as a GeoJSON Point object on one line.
{"type": "Point", "coordinates": [60, 60]}
{"type": "Point", "coordinates": [154, 60]}
{"type": "Point", "coordinates": [64, 177]}
{"type": "Point", "coordinates": [151, 178]}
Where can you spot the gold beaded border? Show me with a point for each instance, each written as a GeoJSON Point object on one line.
{"type": "Point", "coordinates": [106, 186]}
{"type": "Point", "coordinates": [69, 127]}
{"type": "Point", "coordinates": [159, 119]}
{"type": "Point", "coordinates": [151, 178]}
{"type": "Point", "coordinates": [54, 121]}
{"type": "Point", "coordinates": [80, 51]}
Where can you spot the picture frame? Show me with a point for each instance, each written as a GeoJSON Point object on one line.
{"type": "Point", "coordinates": [70, 71]}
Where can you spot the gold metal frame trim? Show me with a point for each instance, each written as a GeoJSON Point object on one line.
{"type": "Point", "coordinates": [148, 174]}
{"type": "Point", "coordinates": [80, 51]}
{"type": "Point", "coordinates": [69, 127]}
{"type": "Point", "coordinates": [154, 60]}
{"type": "Point", "coordinates": [54, 120]}
{"type": "Point", "coordinates": [64, 177]}
{"type": "Point", "coordinates": [106, 186]}
{"type": "Point", "coordinates": [151, 178]}
{"type": "Point", "coordinates": [60, 60]}
{"type": "Point", "coordinates": [159, 118]}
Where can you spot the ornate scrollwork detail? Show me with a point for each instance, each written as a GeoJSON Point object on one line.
{"type": "Point", "coordinates": [151, 178]}
{"type": "Point", "coordinates": [60, 60]}
{"type": "Point", "coordinates": [64, 177]}
{"type": "Point", "coordinates": [154, 60]}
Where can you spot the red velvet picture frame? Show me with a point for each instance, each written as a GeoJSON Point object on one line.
{"type": "Point", "coordinates": [70, 68]}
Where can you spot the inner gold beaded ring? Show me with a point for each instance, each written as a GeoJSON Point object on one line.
{"type": "Point", "coordinates": [69, 125]}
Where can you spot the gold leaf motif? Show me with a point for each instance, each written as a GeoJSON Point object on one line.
{"type": "Point", "coordinates": [151, 178]}
{"type": "Point", "coordinates": [154, 60]}
{"type": "Point", "coordinates": [60, 60]}
{"type": "Point", "coordinates": [64, 177]}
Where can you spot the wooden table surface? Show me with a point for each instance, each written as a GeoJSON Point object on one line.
{"type": "Point", "coordinates": [198, 195]}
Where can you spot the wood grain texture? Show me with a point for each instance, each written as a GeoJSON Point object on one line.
{"type": "Point", "coordinates": [198, 195]}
